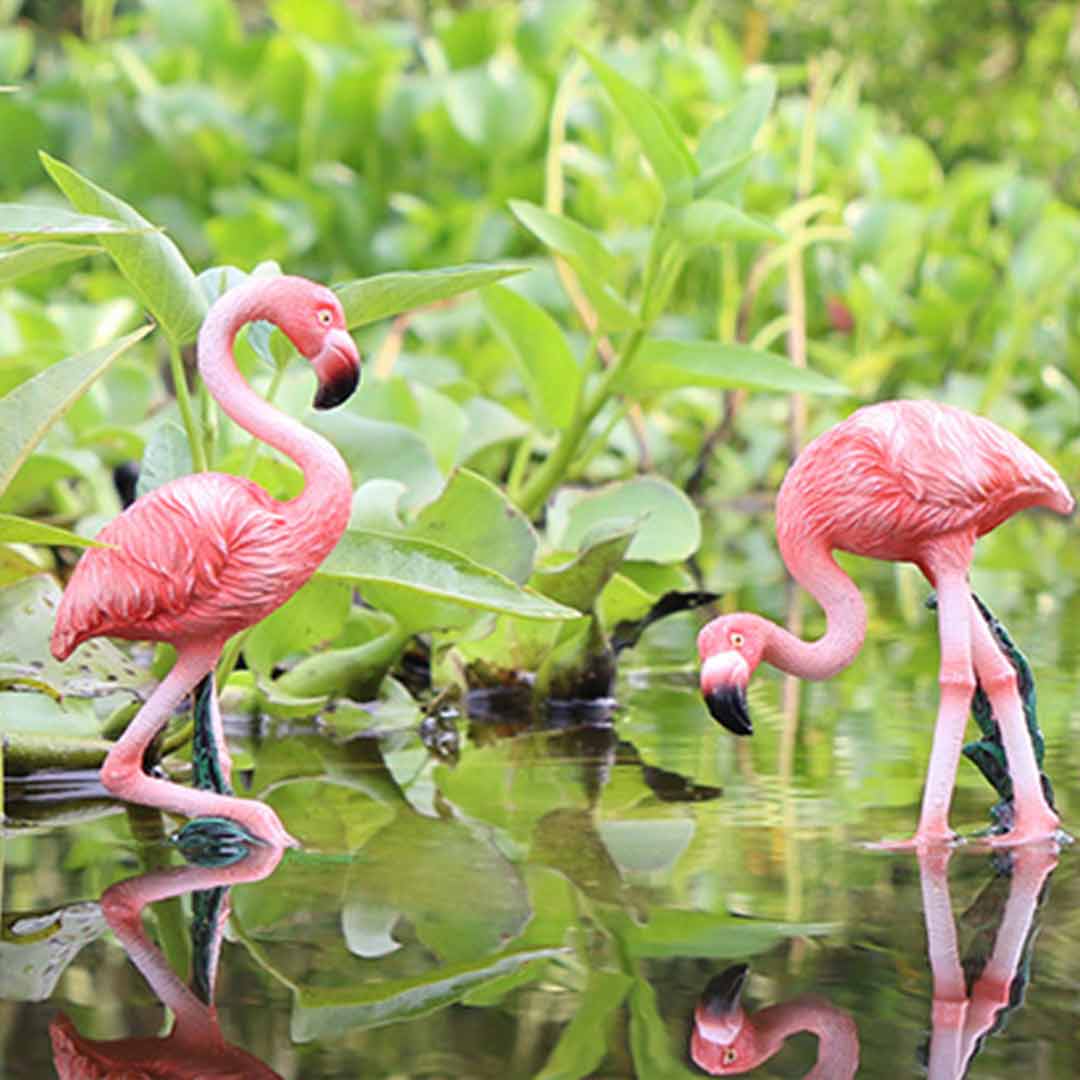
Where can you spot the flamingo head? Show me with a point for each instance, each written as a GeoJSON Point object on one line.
{"type": "Point", "coordinates": [314, 322]}
{"type": "Point", "coordinates": [730, 648]}
{"type": "Point", "coordinates": [724, 1042]}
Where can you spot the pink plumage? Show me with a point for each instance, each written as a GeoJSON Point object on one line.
{"type": "Point", "coordinates": [207, 555]}
{"type": "Point", "coordinates": [907, 481]}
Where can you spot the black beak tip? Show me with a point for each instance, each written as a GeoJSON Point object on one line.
{"type": "Point", "coordinates": [723, 992]}
{"type": "Point", "coordinates": [727, 706]}
{"type": "Point", "coordinates": [334, 391]}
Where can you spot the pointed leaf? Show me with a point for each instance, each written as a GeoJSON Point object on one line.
{"type": "Point", "coordinates": [28, 411]}
{"type": "Point", "coordinates": [167, 457]}
{"type": "Point", "coordinates": [17, 219]}
{"type": "Point", "coordinates": [733, 134]}
{"type": "Point", "coordinates": [657, 132]}
{"type": "Point", "coordinates": [428, 572]}
{"type": "Point", "coordinates": [17, 530]}
{"type": "Point", "coordinates": [150, 261]}
{"type": "Point", "coordinates": [578, 244]}
{"type": "Point", "coordinates": [14, 262]}
{"type": "Point", "coordinates": [548, 367]}
{"type": "Point", "coordinates": [369, 299]}
{"type": "Point", "coordinates": [710, 221]}
{"type": "Point", "coordinates": [666, 364]}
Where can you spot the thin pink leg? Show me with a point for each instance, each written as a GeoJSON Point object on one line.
{"type": "Point", "coordinates": [1033, 819]}
{"type": "Point", "coordinates": [123, 775]}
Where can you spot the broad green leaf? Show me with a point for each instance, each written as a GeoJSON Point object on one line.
{"type": "Point", "coordinates": [668, 528]}
{"type": "Point", "coordinates": [14, 262]}
{"type": "Point", "coordinates": [17, 530]}
{"type": "Point", "coordinates": [15, 566]}
{"type": "Point", "coordinates": [474, 517]}
{"type": "Point", "coordinates": [548, 367]}
{"type": "Point", "coordinates": [422, 572]}
{"type": "Point", "coordinates": [167, 457]}
{"type": "Point", "coordinates": [582, 1046]}
{"type": "Point", "coordinates": [28, 411]}
{"type": "Point", "coordinates": [315, 613]}
{"type": "Point", "coordinates": [650, 1041]}
{"type": "Point", "coordinates": [657, 132]}
{"type": "Point", "coordinates": [668, 364]}
{"type": "Point", "coordinates": [476, 101]}
{"type": "Point", "coordinates": [369, 299]}
{"type": "Point", "coordinates": [150, 261]}
{"type": "Point", "coordinates": [489, 424]}
{"type": "Point", "coordinates": [733, 134]}
{"type": "Point", "coordinates": [19, 220]}
{"type": "Point", "coordinates": [578, 244]}
{"type": "Point", "coordinates": [579, 582]}
{"type": "Point", "coordinates": [39, 714]}
{"type": "Point", "coordinates": [710, 221]}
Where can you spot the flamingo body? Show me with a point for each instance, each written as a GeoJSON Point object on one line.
{"type": "Point", "coordinates": [198, 559]}
{"type": "Point", "coordinates": [904, 481]}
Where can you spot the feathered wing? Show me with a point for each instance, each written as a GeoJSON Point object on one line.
{"type": "Point", "coordinates": [896, 474]}
{"type": "Point", "coordinates": [171, 555]}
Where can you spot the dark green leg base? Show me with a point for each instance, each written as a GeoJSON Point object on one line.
{"type": "Point", "coordinates": [214, 842]}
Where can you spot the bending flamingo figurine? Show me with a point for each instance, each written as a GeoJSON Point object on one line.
{"type": "Point", "coordinates": [207, 555]}
{"type": "Point", "coordinates": [907, 481]}
{"type": "Point", "coordinates": [727, 1041]}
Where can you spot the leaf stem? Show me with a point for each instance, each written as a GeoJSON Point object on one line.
{"type": "Point", "coordinates": [187, 414]}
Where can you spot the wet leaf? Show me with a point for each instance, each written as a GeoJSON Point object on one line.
{"type": "Point", "coordinates": [149, 260]}
{"type": "Point", "coordinates": [31, 408]}
{"type": "Point", "coordinates": [369, 299]}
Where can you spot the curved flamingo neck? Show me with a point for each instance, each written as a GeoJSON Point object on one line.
{"type": "Point", "coordinates": [838, 1038]}
{"type": "Point", "coordinates": [814, 568]}
{"type": "Point", "coordinates": [327, 495]}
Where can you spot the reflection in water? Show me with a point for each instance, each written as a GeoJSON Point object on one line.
{"type": "Point", "coordinates": [973, 996]}
{"type": "Point", "coordinates": [195, 1047]}
{"type": "Point", "coordinates": [727, 1040]}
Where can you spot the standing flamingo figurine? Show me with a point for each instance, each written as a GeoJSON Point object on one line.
{"type": "Point", "coordinates": [200, 558]}
{"type": "Point", "coordinates": [908, 481]}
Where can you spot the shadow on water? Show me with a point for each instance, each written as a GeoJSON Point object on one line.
{"type": "Point", "coordinates": [627, 897]}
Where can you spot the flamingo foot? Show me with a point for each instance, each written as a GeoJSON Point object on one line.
{"type": "Point", "coordinates": [1047, 829]}
{"type": "Point", "coordinates": [920, 842]}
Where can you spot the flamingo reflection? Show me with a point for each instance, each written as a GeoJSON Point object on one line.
{"type": "Point", "coordinates": [195, 1047]}
{"type": "Point", "coordinates": [963, 1017]}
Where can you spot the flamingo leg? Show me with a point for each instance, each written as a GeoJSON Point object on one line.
{"type": "Point", "coordinates": [122, 772]}
{"type": "Point", "coordinates": [957, 681]}
{"type": "Point", "coordinates": [1034, 819]}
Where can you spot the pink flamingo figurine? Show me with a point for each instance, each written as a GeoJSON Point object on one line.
{"type": "Point", "coordinates": [195, 1048]}
{"type": "Point", "coordinates": [909, 481]}
{"type": "Point", "coordinates": [727, 1041]}
{"type": "Point", "coordinates": [207, 555]}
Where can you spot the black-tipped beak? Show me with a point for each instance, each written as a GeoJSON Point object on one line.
{"type": "Point", "coordinates": [727, 706]}
{"type": "Point", "coordinates": [723, 994]}
{"type": "Point", "coordinates": [337, 367]}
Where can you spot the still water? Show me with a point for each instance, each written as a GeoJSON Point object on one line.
{"type": "Point", "coordinates": [554, 903]}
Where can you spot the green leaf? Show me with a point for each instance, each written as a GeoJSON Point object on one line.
{"type": "Point", "coordinates": [367, 300]}
{"type": "Point", "coordinates": [28, 411]}
{"type": "Point", "coordinates": [14, 262]}
{"type": "Point", "coordinates": [579, 245]}
{"type": "Point", "coordinates": [668, 364]}
{"type": "Point", "coordinates": [421, 572]}
{"type": "Point", "coordinates": [710, 221]}
{"type": "Point", "coordinates": [579, 582]}
{"type": "Point", "coordinates": [474, 517]}
{"type": "Point", "coordinates": [167, 457]}
{"type": "Point", "coordinates": [581, 1047]}
{"type": "Point", "coordinates": [657, 132]}
{"type": "Point", "coordinates": [668, 528]}
{"type": "Point", "coordinates": [151, 262]}
{"type": "Point", "coordinates": [548, 367]}
{"type": "Point", "coordinates": [19, 220]}
{"type": "Point", "coordinates": [17, 530]}
{"type": "Point", "coordinates": [315, 613]}
{"type": "Point", "coordinates": [733, 134]}
{"type": "Point", "coordinates": [476, 101]}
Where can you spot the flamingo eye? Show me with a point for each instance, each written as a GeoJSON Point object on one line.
{"type": "Point", "coordinates": [737, 640]}
{"type": "Point", "coordinates": [325, 316]}
{"type": "Point", "coordinates": [730, 1054]}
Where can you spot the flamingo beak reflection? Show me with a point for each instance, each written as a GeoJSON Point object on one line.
{"type": "Point", "coordinates": [723, 682]}
{"type": "Point", "coordinates": [337, 367]}
{"type": "Point", "coordinates": [719, 1013]}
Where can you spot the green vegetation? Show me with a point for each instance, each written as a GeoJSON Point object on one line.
{"type": "Point", "coordinates": [576, 261]}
